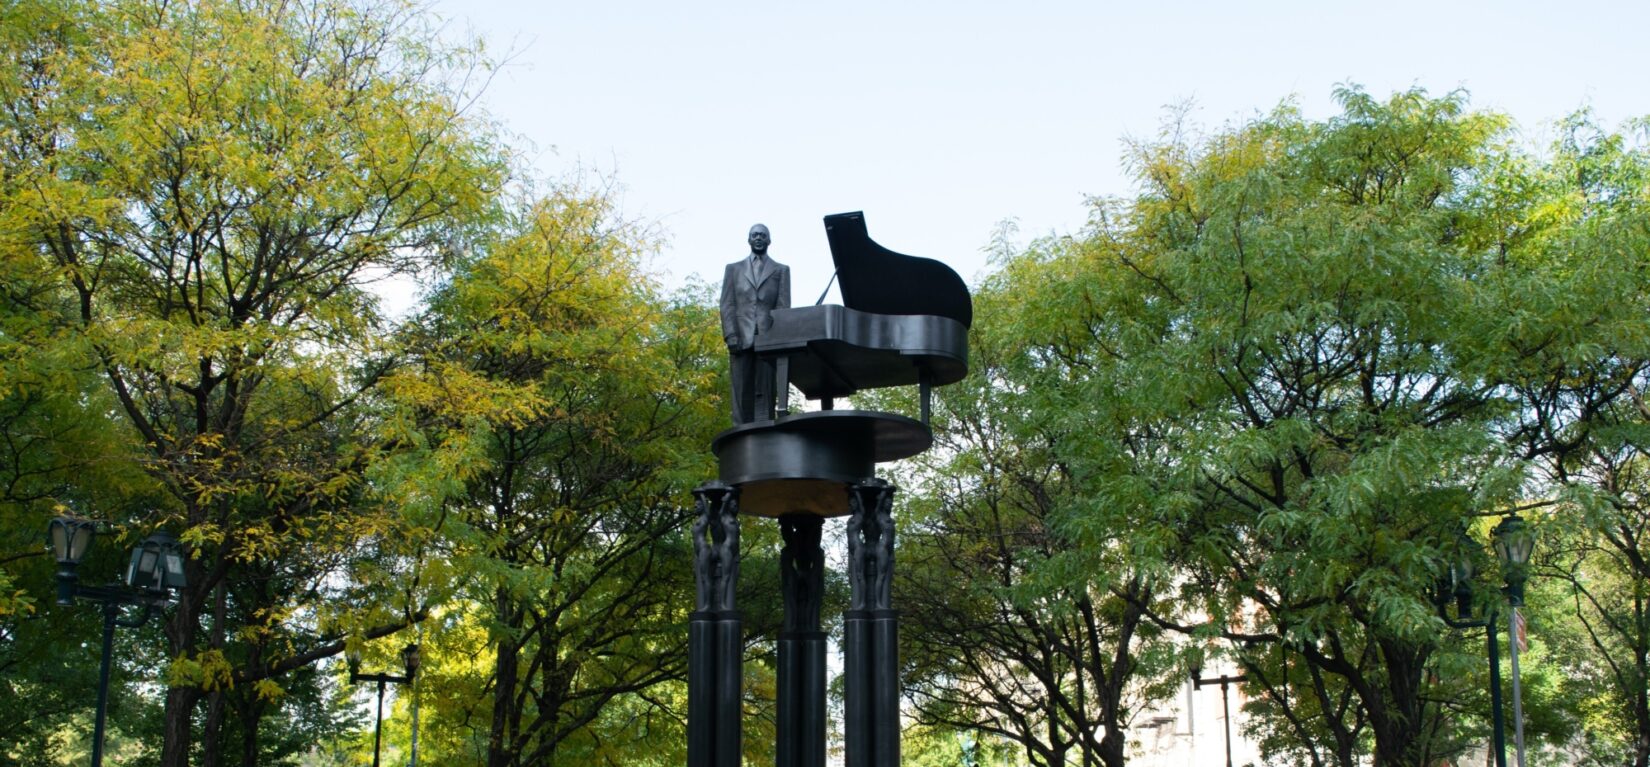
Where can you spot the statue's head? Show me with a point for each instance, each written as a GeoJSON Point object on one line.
{"type": "Point", "coordinates": [759, 238]}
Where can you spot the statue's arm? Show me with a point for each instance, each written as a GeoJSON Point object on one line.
{"type": "Point", "coordinates": [784, 301]}
{"type": "Point", "coordinates": [730, 319]}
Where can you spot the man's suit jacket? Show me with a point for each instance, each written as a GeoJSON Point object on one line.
{"type": "Point", "coordinates": [747, 301]}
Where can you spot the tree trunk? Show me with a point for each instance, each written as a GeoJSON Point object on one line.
{"type": "Point", "coordinates": [500, 746]}
{"type": "Point", "coordinates": [1641, 695]}
{"type": "Point", "coordinates": [252, 717]}
{"type": "Point", "coordinates": [212, 729]}
{"type": "Point", "coordinates": [1397, 716]}
{"type": "Point", "coordinates": [1113, 751]}
{"type": "Point", "coordinates": [176, 733]}
{"type": "Point", "coordinates": [180, 709]}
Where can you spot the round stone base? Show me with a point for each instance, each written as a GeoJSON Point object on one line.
{"type": "Point", "coordinates": [805, 462]}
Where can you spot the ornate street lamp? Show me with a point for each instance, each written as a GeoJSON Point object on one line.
{"type": "Point", "coordinates": [1460, 587]}
{"type": "Point", "coordinates": [70, 538]}
{"type": "Point", "coordinates": [1513, 543]}
{"type": "Point", "coordinates": [157, 564]}
{"type": "Point", "coordinates": [410, 659]}
{"type": "Point", "coordinates": [152, 577]}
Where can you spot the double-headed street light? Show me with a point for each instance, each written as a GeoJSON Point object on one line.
{"type": "Point", "coordinates": [1460, 587]}
{"type": "Point", "coordinates": [1513, 541]}
{"type": "Point", "coordinates": [409, 659]}
{"type": "Point", "coordinates": [153, 577]}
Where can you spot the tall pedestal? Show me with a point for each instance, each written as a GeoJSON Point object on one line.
{"type": "Point", "coordinates": [801, 683]}
{"type": "Point", "coordinates": [800, 469]}
{"type": "Point", "coordinates": [871, 630]}
{"type": "Point", "coordinates": [715, 641]}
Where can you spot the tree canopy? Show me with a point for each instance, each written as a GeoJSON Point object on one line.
{"type": "Point", "coordinates": [1253, 411]}
{"type": "Point", "coordinates": [1264, 400]}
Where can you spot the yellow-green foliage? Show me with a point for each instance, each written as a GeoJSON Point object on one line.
{"type": "Point", "coordinates": [194, 200]}
{"type": "Point", "coordinates": [558, 408]}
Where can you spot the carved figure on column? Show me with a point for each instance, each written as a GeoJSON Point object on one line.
{"type": "Point", "coordinates": [704, 558]}
{"type": "Point", "coordinates": [871, 544]}
{"type": "Point", "coordinates": [856, 553]}
{"type": "Point", "coordinates": [752, 288]}
{"type": "Point", "coordinates": [715, 649]}
{"type": "Point", "coordinates": [801, 571]}
{"type": "Point", "coordinates": [716, 548]}
{"type": "Point", "coordinates": [882, 551]}
{"type": "Point", "coordinates": [727, 553]}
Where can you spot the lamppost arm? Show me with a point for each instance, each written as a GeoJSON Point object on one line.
{"type": "Point", "coordinates": [410, 657]}
{"type": "Point", "coordinates": [1493, 650]}
{"type": "Point", "coordinates": [1225, 708]}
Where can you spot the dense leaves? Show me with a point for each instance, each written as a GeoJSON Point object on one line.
{"type": "Point", "coordinates": [198, 201]}
{"type": "Point", "coordinates": [196, 197]}
{"type": "Point", "coordinates": [1263, 401]}
{"type": "Point", "coordinates": [570, 405]}
{"type": "Point", "coordinates": [1057, 654]}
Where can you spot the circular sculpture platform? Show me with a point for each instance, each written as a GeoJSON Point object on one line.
{"type": "Point", "coordinates": [803, 463]}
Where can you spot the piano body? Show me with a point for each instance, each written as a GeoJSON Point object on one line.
{"type": "Point", "coordinates": [904, 322]}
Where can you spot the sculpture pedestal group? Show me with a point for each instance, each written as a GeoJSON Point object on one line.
{"type": "Point", "coordinates": [905, 323]}
{"type": "Point", "coordinates": [871, 628]}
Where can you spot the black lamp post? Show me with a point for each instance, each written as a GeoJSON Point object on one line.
{"type": "Point", "coordinates": [1460, 586]}
{"type": "Point", "coordinates": [410, 659]}
{"type": "Point", "coordinates": [1225, 708]}
{"type": "Point", "coordinates": [153, 576]}
{"type": "Point", "coordinates": [1513, 542]}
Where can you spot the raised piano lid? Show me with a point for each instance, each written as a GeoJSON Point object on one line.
{"type": "Point", "coordinates": [878, 280]}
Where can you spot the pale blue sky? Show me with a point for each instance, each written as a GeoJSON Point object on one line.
{"type": "Point", "coordinates": [940, 120]}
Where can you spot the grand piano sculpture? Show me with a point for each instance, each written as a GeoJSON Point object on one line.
{"type": "Point", "coordinates": [904, 323]}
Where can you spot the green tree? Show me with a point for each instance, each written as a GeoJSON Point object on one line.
{"type": "Point", "coordinates": [212, 186]}
{"type": "Point", "coordinates": [566, 407]}
{"type": "Point", "coordinates": [1272, 353]}
{"type": "Point", "coordinates": [1581, 383]}
{"type": "Point", "coordinates": [59, 453]}
{"type": "Point", "coordinates": [1058, 654]}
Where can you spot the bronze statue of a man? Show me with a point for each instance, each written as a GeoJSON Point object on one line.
{"type": "Point", "coordinates": [752, 288]}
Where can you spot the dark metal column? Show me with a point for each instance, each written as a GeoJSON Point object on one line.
{"type": "Point", "coordinates": [801, 705]}
{"type": "Point", "coordinates": [378, 726]}
{"type": "Point", "coordinates": [715, 641]}
{"type": "Point", "coordinates": [1494, 652]}
{"type": "Point", "coordinates": [871, 630]}
{"type": "Point", "coordinates": [111, 611]}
